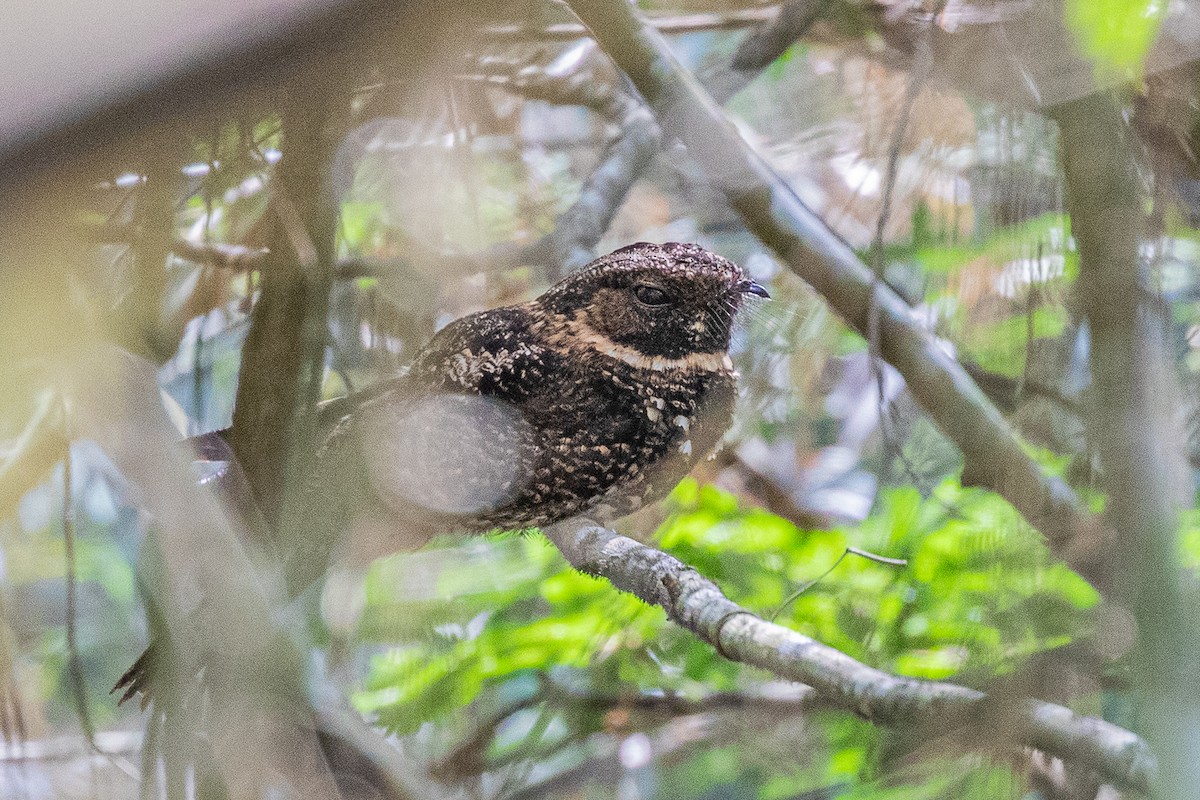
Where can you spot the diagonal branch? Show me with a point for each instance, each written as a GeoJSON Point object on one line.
{"type": "Point", "coordinates": [579, 229]}
{"type": "Point", "coordinates": [762, 46]}
{"type": "Point", "coordinates": [993, 455]}
{"type": "Point", "coordinates": [697, 604]}
{"type": "Point", "coordinates": [33, 454]}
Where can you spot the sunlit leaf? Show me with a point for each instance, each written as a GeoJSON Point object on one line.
{"type": "Point", "coordinates": [1116, 34]}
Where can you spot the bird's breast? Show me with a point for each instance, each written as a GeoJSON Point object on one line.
{"type": "Point", "coordinates": [620, 437]}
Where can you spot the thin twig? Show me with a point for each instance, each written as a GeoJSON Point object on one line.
{"type": "Point", "coordinates": [922, 65]}
{"type": "Point", "coordinates": [878, 559]}
{"type": "Point", "coordinates": [74, 665]}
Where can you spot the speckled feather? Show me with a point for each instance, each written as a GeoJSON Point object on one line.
{"type": "Point", "coordinates": [595, 398]}
{"type": "Point", "coordinates": [593, 402]}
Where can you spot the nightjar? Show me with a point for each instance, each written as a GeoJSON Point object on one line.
{"type": "Point", "coordinates": [594, 399]}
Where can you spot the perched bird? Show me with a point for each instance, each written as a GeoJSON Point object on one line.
{"type": "Point", "coordinates": [595, 398]}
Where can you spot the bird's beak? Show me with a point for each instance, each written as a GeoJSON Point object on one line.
{"type": "Point", "coordinates": [756, 289]}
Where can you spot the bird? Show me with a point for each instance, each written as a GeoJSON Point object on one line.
{"type": "Point", "coordinates": [594, 399]}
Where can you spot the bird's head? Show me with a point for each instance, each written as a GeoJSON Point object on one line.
{"type": "Point", "coordinates": [665, 302]}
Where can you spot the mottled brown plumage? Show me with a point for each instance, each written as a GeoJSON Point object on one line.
{"type": "Point", "coordinates": [595, 398]}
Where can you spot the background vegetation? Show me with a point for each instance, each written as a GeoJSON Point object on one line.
{"type": "Point", "coordinates": [965, 451]}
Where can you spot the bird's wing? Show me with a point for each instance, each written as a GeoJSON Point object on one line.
{"type": "Point", "coordinates": [436, 449]}
{"type": "Point", "coordinates": [459, 443]}
{"type": "Point", "coordinates": [492, 353]}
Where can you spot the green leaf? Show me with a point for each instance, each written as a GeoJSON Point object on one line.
{"type": "Point", "coordinates": [1116, 34]}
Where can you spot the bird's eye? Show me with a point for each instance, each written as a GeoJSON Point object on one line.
{"type": "Point", "coordinates": [651, 295]}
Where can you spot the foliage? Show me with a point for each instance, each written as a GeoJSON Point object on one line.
{"type": "Point", "coordinates": [1117, 34]}
{"type": "Point", "coordinates": [490, 654]}
{"type": "Point", "coordinates": [502, 619]}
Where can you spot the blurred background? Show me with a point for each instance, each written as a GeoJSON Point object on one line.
{"type": "Point", "coordinates": [278, 202]}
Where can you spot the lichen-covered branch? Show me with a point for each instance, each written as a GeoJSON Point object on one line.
{"type": "Point", "coordinates": [992, 452]}
{"type": "Point", "coordinates": [697, 604]}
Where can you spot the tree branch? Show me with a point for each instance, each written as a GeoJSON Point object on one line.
{"type": "Point", "coordinates": [284, 355]}
{"type": "Point", "coordinates": [992, 453]}
{"type": "Point", "coordinates": [467, 757]}
{"type": "Point", "coordinates": [581, 227]}
{"type": "Point", "coordinates": [762, 46]}
{"type": "Point", "coordinates": [141, 309]}
{"type": "Point", "coordinates": [683, 23]}
{"type": "Point", "coordinates": [577, 230]}
{"type": "Point", "coordinates": [238, 258]}
{"type": "Point", "coordinates": [697, 604]}
{"type": "Point", "coordinates": [33, 454]}
{"type": "Point", "coordinates": [233, 257]}
{"type": "Point", "coordinates": [603, 768]}
{"type": "Point", "coordinates": [253, 672]}
{"type": "Point", "coordinates": [67, 748]}
{"type": "Point", "coordinates": [1127, 424]}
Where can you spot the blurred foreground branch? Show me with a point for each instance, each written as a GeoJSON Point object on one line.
{"type": "Point", "coordinates": [682, 23]}
{"type": "Point", "coordinates": [993, 454]}
{"type": "Point", "coordinates": [1139, 453]}
{"type": "Point", "coordinates": [33, 454]}
{"type": "Point", "coordinates": [239, 258]}
{"type": "Point", "coordinates": [252, 720]}
{"type": "Point", "coordinates": [66, 748]}
{"type": "Point", "coordinates": [697, 604]}
{"type": "Point", "coordinates": [235, 257]}
{"type": "Point", "coordinates": [284, 356]}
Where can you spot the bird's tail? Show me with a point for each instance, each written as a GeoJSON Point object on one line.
{"type": "Point", "coordinates": [139, 678]}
